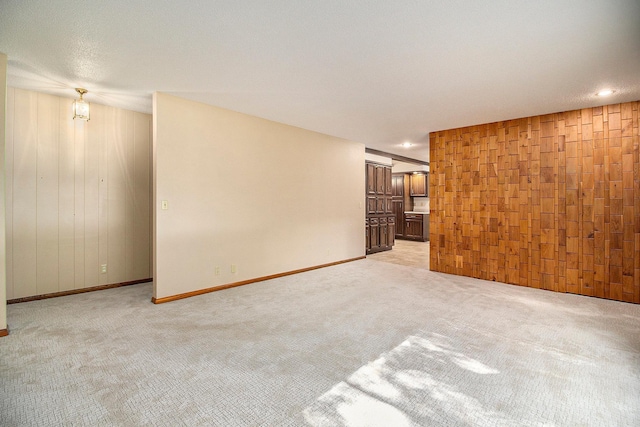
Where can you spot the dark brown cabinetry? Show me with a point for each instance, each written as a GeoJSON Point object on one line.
{"type": "Point", "coordinates": [374, 234]}
{"type": "Point", "coordinates": [371, 179]}
{"type": "Point", "coordinates": [391, 231]}
{"type": "Point", "coordinates": [416, 227]}
{"type": "Point", "coordinates": [380, 182]}
{"type": "Point", "coordinates": [388, 205]}
{"type": "Point", "coordinates": [381, 223]}
{"type": "Point", "coordinates": [401, 200]}
{"type": "Point", "coordinates": [419, 184]}
{"type": "Point", "coordinates": [397, 184]}
{"type": "Point", "coordinates": [398, 214]}
{"type": "Point", "coordinates": [388, 186]}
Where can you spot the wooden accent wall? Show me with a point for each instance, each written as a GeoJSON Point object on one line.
{"type": "Point", "coordinates": [549, 202]}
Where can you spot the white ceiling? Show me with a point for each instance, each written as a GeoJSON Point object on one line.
{"type": "Point", "coordinates": [378, 72]}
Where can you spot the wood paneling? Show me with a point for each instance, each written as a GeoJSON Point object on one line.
{"type": "Point", "coordinates": [66, 202]}
{"type": "Point", "coordinates": [24, 190]}
{"type": "Point", "coordinates": [78, 196]}
{"type": "Point", "coordinates": [47, 208]}
{"type": "Point", "coordinates": [550, 202]}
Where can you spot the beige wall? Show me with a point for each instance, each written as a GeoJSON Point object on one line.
{"type": "Point", "coordinates": [3, 97]}
{"type": "Point", "coordinates": [264, 196]}
{"type": "Point", "coordinates": [78, 195]}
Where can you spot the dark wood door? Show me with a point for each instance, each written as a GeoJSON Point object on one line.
{"type": "Point", "coordinates": [391, 231]}
{"type": "Point", "coordinates": [371, 178]}
{"type": "Point", "coordinates": [413, 228]}
{"type": "Point", "coordinates": [371, 205]}
{"type": "Point", "coordinates": [384, 236]}
{"type": "Point", "coordinates": [367, 239]}
{"type": "Point", "coordinates": [388, 205]}
{"type": "Point", "coordinates": [398, 214]}
{"type": "Point", "coordinates": [380, 180]}
{"type": "Point", "coordinates": [374, 233]}
{"type": "Point", "coordinates": [397, 185]}
{"type": "Point", "coordinates": [388, 190]}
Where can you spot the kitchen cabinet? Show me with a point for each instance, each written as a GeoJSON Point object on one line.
{"type": "Point", "coordinates": [388, 189]}
{"type": "Point", "coordinates": [391, 231]}
{"type": "Point", "coordinates": [379, 200]}
{"type": "Point", "coordinates": [380, 181]}
{"type": "Point", "coordinates": [384, 236]}
{"type": "Point", "coordinates": [419, 184]}
{"type": "Point", "coordinates": [367, 234]}
{"type": "Point", "coordinates": [397, 185]}
{"type": "Point", "coordinates": [380, 233]}
{"type": "Point", "coordinates": [371, 205]}
{"type": "Point", "coordinates": [401, 200]}
{"type": "Point", "coordinates": [416, 226]}
{"type": "Point", "coordinates": [398, 215]}
{"type": "Point", "coordinates": [374, 234]}
{"type": "Point", "coordinates": [388, 205]}
{"type": "Point", "coordinates": [371, 178]}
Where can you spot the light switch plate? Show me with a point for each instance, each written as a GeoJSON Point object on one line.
{"type": "Point", "coordinates": [165, 205]}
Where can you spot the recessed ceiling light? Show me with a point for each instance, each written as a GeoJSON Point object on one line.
{"type": "Point", "coordinates": [407, 144]}
{"type": "Point", "coordinates": [605, 92]}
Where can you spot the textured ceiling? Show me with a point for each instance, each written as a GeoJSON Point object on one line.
{"type": "Point", "coordinates": [378, 72]}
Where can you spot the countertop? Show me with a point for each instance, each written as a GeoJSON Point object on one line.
{"type": "Point", "coordinates": [416, 212]}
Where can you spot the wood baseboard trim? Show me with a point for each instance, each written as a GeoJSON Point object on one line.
{"type": "Point", "coordinates": [4, 332]}
{"type": "Point", "coordinates": [246, 282]}
{"type": "Point", "coordinates": [77, 291]}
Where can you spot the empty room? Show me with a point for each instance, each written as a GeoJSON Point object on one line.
{"type": "Point", "coordinates": [320, 213]}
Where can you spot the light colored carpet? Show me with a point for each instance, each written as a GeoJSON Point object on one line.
{"type": "Point", "coordinates": [360, 344]}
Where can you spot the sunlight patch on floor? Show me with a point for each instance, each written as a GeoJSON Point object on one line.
{"type": "Point", "coordinates": [408, 386]}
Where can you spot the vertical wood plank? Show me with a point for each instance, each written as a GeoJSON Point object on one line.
{"type": "Point", "coordinates": [128, 184]}
{"type": "Point", "coordinates": [92, 200]}
{"type": "Point", "coordinates": [106, 132]}
{"type": "Point", "coordinates": [115, 219]}
{"type": "Point", "coordinates": [24, 194]}
{"type": "Point", "coordinates": [66, 197]}
{"type": "Point", "coordinates": [79, 141]}
{"type": "Point", "coordinates": [47, 209]}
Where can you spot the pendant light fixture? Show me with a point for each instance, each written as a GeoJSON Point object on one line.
{"type": "Point", "coordinates": [80, 106]}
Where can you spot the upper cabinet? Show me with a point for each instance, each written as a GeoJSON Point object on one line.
{"type": "Point", "coordinates": [371, 178]}
{"type": "Point", "coordinates": [388, 190]}
{"type": "Point", "coordinates": [420, 185]}
{"type": "Point", "coordinates": [397, 185]}
{"type": "Point", "coordinates": [379, 180]}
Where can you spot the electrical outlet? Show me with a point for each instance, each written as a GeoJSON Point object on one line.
{"type": "Point", "coordinates": [217, 271]}
{"type": "Point", "coordinates": [103, 268]}
{"type": "Point", "coordinates": [234, 268]}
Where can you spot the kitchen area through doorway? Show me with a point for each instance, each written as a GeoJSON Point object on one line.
{"type": "Point", "coordinates": [398, 207]}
